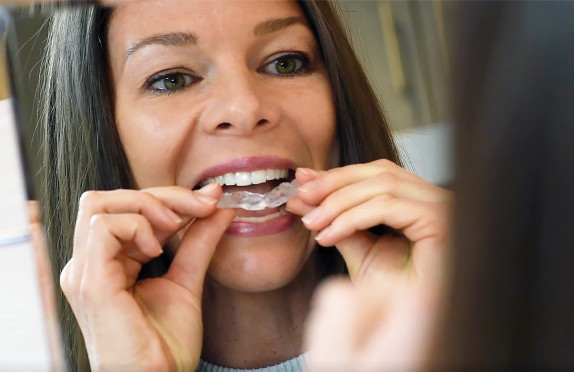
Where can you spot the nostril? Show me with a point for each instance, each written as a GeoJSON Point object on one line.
{"type": "Point", "coordinates": [224, 126]}
{"type": "Point", "coordinates": [227, 125]}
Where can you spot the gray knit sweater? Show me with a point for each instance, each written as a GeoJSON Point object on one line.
{"type": "Point", "coordinates": [296, 364]}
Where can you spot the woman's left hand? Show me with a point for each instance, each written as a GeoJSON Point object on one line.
{"type": "Point", "coordinates": [383, 320]}
{"type": "Point", "coordinates": [342, 204]}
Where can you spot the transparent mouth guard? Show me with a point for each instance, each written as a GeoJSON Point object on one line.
{"type": "Point", "coordinates": [252, 201]}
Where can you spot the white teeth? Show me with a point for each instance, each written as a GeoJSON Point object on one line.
{"type": "Point", "coordinates": [243, 178]}
{"type": "Point", "coordinates": [270, 174]}
{"type": "Point", "coordinates": [247, 178]}
{"type": "Point", "coordinates": [229, 179]}
{"type": "Point", "coordinates": [268, 217]}
{"type": "Point", "coordinates": [258, 176]}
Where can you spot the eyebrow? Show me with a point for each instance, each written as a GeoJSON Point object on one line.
{"type": "Point", "coordinates": [171, 39]}
{"type": "Point", "coordinates": [184, 38]}
{"type": "Point", "coordinates": [274, 25]}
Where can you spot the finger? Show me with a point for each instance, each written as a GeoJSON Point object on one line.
{"type": "Point", "coordinates": [160, 206]}
{"type": "Point", "coordinates": [416, 220]}
{"type": "Point", "coordinates": [185, 202]}
{"type": "Point", "coordinates": [196, 249]}
{"type": "Point", "coordinates": [297, 206]}
{"type": "Point", "coordinates": [68, 282]}
{"type": "Point", "coordinates": [112, 235]}
{"type": "Point", "coordinates": [305, 175]}
{"type": "Point", "coordinates": [361, 192]}
{"type": "Point", "coordinates": [390, 177]}
{"type": "Point", "coordinates": [120, 201]}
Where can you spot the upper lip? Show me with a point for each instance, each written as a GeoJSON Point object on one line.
{"type": "Point", "coordinates": [245, 164]}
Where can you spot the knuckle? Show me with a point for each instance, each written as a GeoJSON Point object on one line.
{"type": "Point", "coordinates": [89, 199]}
{"type": "Point", "coordinates": [145, 197]}
{"type": "Point", "coordinates": [329, 205]}
{"type": "Point", "coordinates": [99, 222]}
{"type": "Point", "coordinates": [388, 180]}
{"type": "Point", "coordinates": [66, 282]}
{"type": "Point", "coordinates": [384, 200]}
{"type": "Point", "coordinates": [384, 163]}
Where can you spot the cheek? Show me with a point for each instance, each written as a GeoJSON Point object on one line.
{"type": "Point", "coordinates": [151, 143]}
{"type": "Point", "coordinates": [319, 129]}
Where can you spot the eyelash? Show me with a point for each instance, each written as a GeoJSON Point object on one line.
{"type": "Point", "coordinates": [164, 75]}
{"type": "Point", "coordinates": [301, 57]}
{"type": "Point", "coordinates": [302, 66]}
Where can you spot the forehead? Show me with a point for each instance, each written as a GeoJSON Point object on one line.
{"type": "Point", "coordinates": [132, 21]}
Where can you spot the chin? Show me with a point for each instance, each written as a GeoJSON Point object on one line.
{"type": "Point", "coordinates": [261, 263]}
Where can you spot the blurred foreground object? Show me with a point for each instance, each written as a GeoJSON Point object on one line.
{"type": "Point", "coordinates": [511, 305]}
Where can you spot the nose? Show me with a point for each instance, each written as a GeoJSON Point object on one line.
{"type": "Point", "coordinates": [238, 104]}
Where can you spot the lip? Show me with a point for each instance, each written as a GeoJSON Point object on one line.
{"type": "Point", "coordinates": [245, 164]}
{"type": "Point", "coordinates": [271, 227]}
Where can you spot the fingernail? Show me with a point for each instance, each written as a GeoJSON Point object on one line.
{"type": "Point", "coordinates": [307, 172]}
{"type": "Point", "coordinates": [158, 250]}
{"type": "Point", "coordinates": [206, 199]}
{"type": "Point", "coordinates": [323, 234]}
{"type": "Point", "coordinates": [307, 187]}
{"type": "Point", "coordinates": [312, 216]}
{"type": "Point", "coordinates": [208, 189]}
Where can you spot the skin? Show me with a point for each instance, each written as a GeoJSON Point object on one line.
{"type": "Point", "coordinates": [221, 288]}
{"type": "Point", "coordinates": [236, 106]}
{"type": "Point", "coordinates": [384, 317]}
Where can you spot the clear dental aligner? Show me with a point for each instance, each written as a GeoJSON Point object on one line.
{"type": "Point", "coordinates": [252, 201]}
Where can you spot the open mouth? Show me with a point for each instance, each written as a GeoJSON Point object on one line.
{"type": "Point", "coordinates": [247, 179]}
{"type": "Point", "coordinates": [260, 181]}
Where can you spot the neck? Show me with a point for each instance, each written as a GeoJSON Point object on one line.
{"type": "Point", "coordinates": [254, 330]}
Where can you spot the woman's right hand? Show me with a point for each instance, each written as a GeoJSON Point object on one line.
{"type": "Point", "coordinates": [153, 324]}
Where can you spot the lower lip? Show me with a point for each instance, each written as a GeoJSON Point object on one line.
{"type": "Point", "coordinates": [271, 227]}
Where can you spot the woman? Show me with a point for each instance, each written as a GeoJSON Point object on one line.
{"type": "Point", "coordinates": [175, 95]}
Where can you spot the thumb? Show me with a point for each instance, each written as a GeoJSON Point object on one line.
{"type": "Point", "coordinates": [196, 249]}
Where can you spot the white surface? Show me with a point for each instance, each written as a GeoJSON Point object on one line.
{"type": "Point", "coordinates": [23, 339]}
{"type": "Point", "coordinates": [427, 151]}
{"type": "Point", "coordinates": [13, 219]}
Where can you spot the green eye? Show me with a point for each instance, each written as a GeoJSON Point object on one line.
{"type": "Point", "coordinates": [286, 65]}
{"type": "Point", "coordinates": [170, 82]}
{"type": "Point", "coordinates": [174, 82]}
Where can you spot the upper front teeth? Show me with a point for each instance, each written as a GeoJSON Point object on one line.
{"type": "Point", "coordinates": [247, 178]}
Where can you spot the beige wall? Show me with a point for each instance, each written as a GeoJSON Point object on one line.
{"type": "Point", "coordinates": [403, 47]}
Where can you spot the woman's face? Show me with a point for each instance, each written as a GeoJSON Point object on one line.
{"type": "Point", "coordinates": [236, 89]}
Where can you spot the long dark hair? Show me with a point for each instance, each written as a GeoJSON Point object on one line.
{"type": "Point", "coordinates": [83, 150]}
